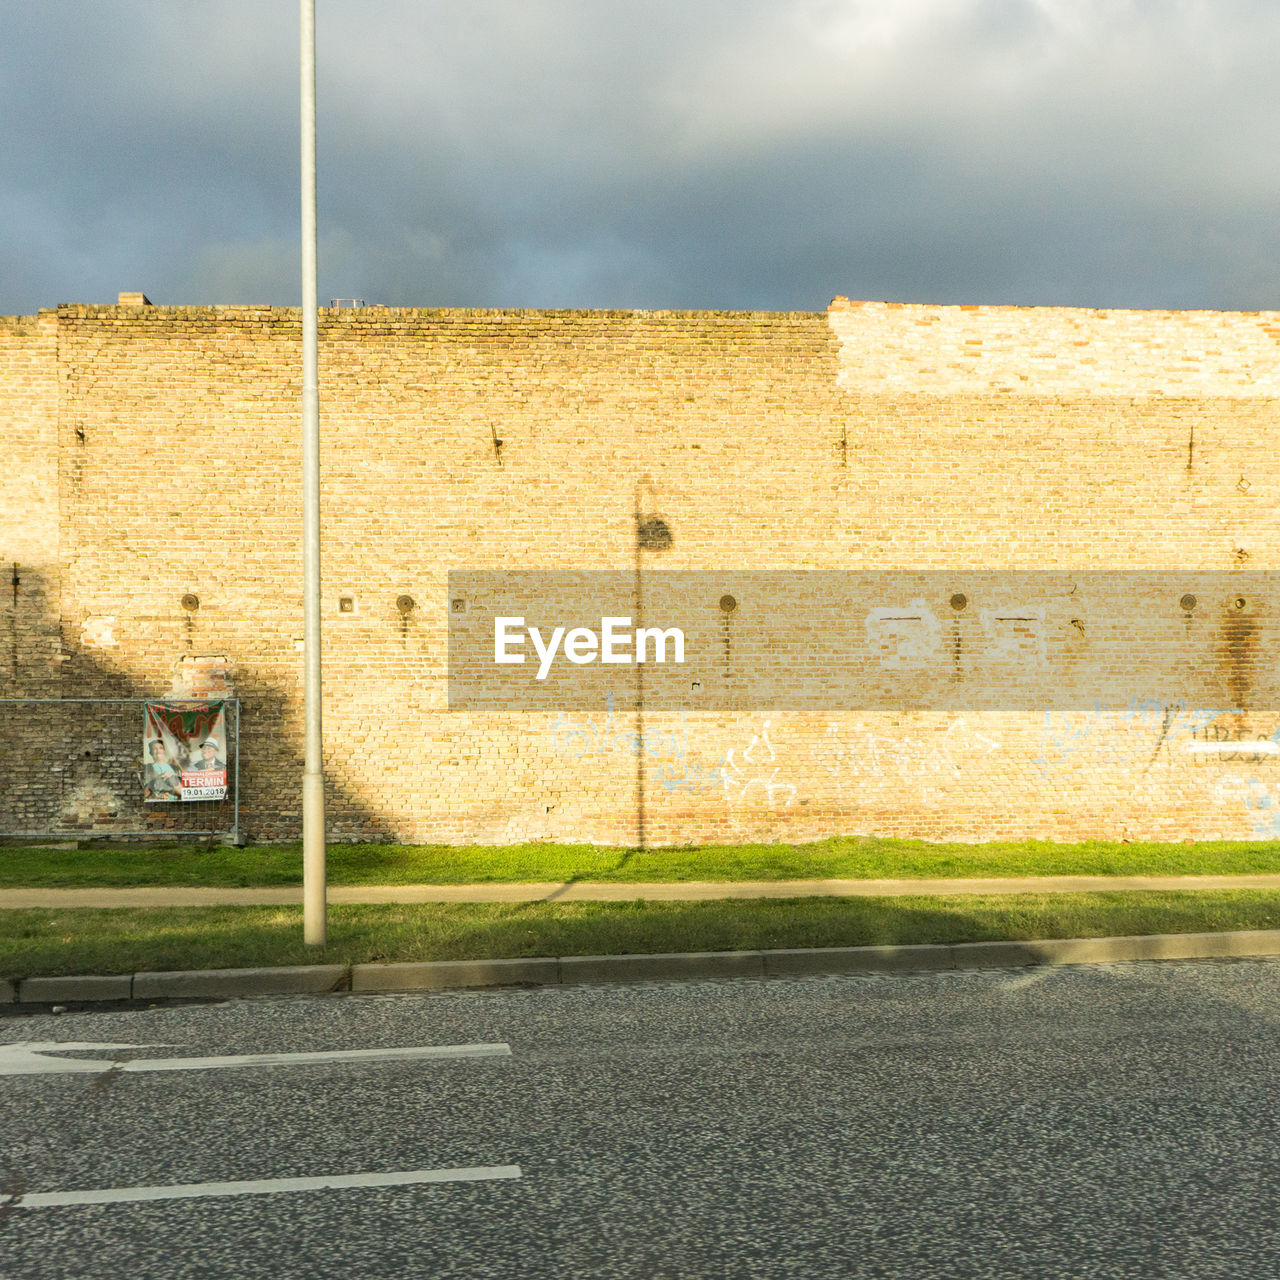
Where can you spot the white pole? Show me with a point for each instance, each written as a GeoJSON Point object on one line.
{"type": "Point", "coordinates": [313, 851]}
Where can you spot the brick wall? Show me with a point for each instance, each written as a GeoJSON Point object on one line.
{"type": "Point", "coordinates": [29, 641]}
{"type": "Point", "coordinates": [869, 438]}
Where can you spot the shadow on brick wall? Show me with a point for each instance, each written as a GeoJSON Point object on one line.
{"type": "Point", "coordinates": [75, 768]}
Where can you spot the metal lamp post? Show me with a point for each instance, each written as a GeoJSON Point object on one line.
{"type": "Point", "coordinates": [313, 843]}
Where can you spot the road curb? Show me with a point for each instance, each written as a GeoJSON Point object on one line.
{"type": "Point", "coordinates": [84, 987]}
{"type": "Point", "coordinates": [441, 975]}
{"type": "Point", "coordinates": [676, 964]}
{"type": "Point", "coordinates": [438, 975]}
{"type": "Point", "coordinates": [912, 958]}
{"type": "Point", "coordinates": [309, 979]}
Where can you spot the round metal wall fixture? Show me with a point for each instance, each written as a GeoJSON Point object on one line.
{"type": "Point", "coordinates": [653, 534]}
{"type": "Point", "coordinates": [1240, 602]}
{"type": "Point", "coordinates": [727, 604]}
{"type": "Point", "coordinates": [959, 600]}
{"type": "Point", "coordinates": [190, 602]}
{"type": "Point", "coordinates": [1188, 602]}
{"type": "Point", "coordinates": [404, 604]}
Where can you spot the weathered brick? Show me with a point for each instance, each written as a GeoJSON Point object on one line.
{"type": "Point", "coordinates": [153, 452]}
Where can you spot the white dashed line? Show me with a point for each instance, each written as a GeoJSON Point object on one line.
{"type": "Point", "coordinates": [268, 1186]}
{"type": "Point", "coordinates": [38, 1058]}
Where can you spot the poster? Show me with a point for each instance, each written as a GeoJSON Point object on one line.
{"type": "Point", "coordinates": [184, 752]}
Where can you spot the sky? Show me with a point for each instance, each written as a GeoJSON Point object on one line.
{"type": "Point", "coordinates": [666, 154]}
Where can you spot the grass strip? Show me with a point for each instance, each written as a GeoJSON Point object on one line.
{"type": "Point", "coordinates": [124, 940]}
{"type": "Point", "coordinates": [846, 857]}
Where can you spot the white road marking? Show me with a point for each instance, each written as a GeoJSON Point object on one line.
{"type": "Point", "coordinates": [267, 1186]}
{"type": "Point", "coordinates": [31, 1058]}
{"type": "Point", "coordinates": [26, 1057]}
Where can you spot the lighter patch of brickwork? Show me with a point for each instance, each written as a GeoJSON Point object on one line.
{"type": "Point", "coordinates": [1057, 351]}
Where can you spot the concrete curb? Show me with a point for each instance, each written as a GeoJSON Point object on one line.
{"type": "Point", "coordinates": [438, 975]}
{"type": "Point", "coordinates": [678, 964]}
{"type": "Point", "coordinates": [88, 987]}
{"type": "Point", "coordinates": [923, 957]}
{"type": "Point", "coordinates": [308, 979]}
{"type": "Point", "coordinates": [443, 975]}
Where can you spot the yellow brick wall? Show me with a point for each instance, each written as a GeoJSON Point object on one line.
{"type": "Point", "coordinates": [29, 642]}
{"type": "Point", "coordinates": [864, 439]}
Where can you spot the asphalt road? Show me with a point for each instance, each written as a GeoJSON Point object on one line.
{"type": "Point", "coordinates": [1088, 1121]}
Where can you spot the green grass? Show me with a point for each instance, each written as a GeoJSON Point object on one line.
{"type": "Point", "coordinates": [855, 857]}
{"type": "Point", "coordinates": [124, 940]}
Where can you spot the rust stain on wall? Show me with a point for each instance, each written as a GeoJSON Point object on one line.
{"type": "Point", "coordinates": [1236, 649]}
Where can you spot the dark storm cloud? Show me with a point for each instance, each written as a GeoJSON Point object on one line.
{"type": "Point", "coordinates": [760, 154]}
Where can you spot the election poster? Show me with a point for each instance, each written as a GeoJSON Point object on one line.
{"type": "Point", "coordinates": [184, 752]}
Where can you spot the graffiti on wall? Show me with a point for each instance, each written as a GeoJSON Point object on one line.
{"type": "Point", "coordinates": [747, 771]}
{"type": "Point", "coordinates": [858, 755]}
{"type": "Point", "coordinates": [1155, 750]}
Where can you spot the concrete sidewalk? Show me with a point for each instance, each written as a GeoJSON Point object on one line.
{"type": "Point", "coordinates": [599, 891]}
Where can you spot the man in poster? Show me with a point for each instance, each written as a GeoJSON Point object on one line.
{"type": "Point", "coordinates": [205, 778]}
{"type": "Point", "coordinates": [208, 757]}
